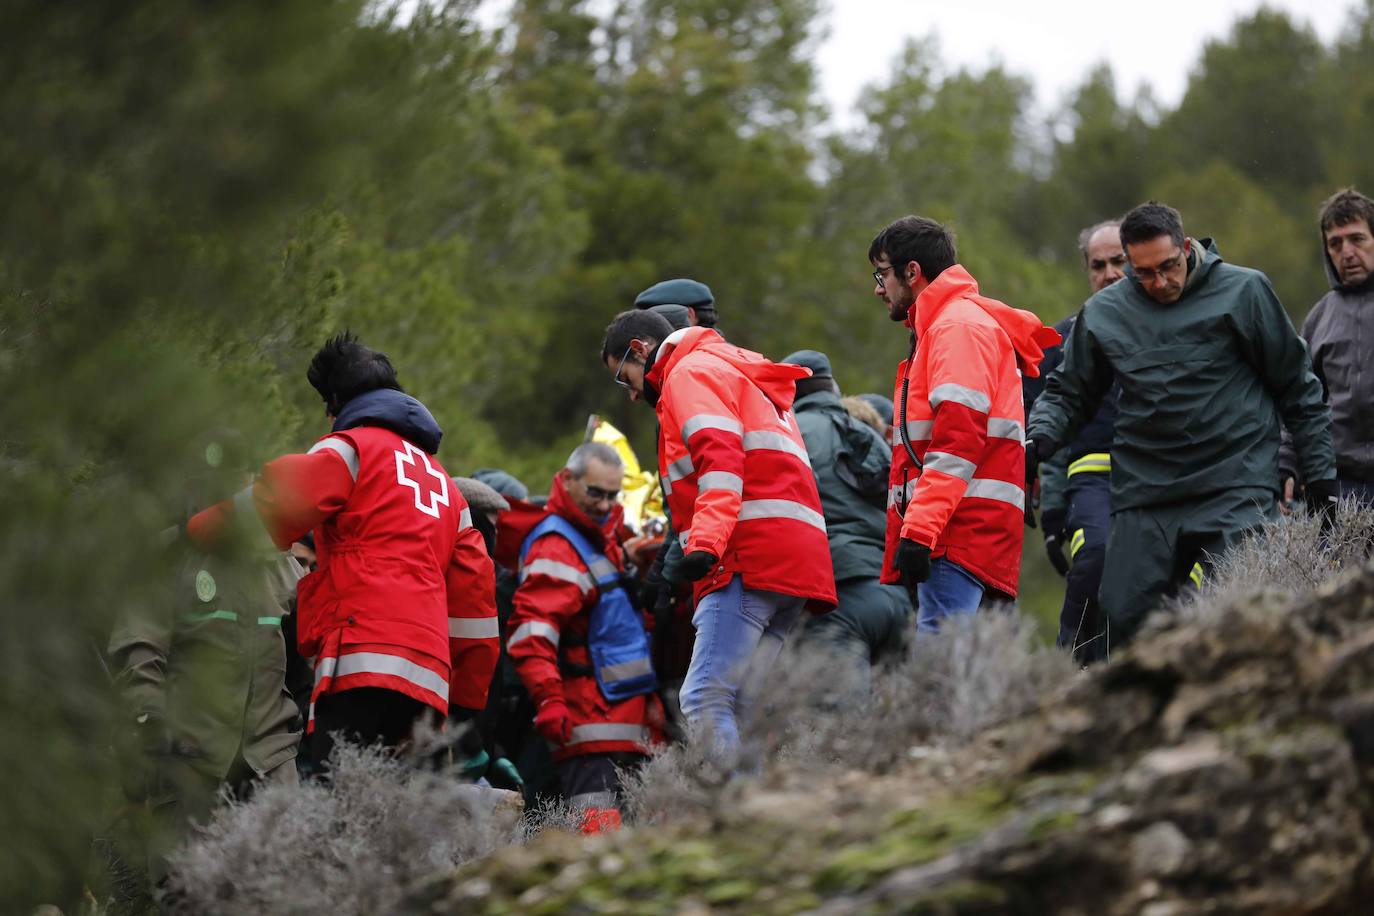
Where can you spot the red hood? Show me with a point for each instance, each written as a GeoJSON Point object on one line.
{"type": "Point", "coordinates": [777, 380]}
{"type": "Point", "coordinates": [516, 523]}
{"type": "Point", "coordinates": [1029, 335]}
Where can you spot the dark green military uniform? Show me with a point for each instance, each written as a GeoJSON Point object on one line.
{"type": "Point", "coordinates": [202, 680]}
{"type": "Point", "coordinates": [1204, 384]}
{"type": "Point", "coordinates": [851, 461]}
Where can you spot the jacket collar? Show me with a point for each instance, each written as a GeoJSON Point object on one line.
{"type": "Point", "coordinates": [1028, 334]}
{"type": "Point", "coordinates": [953, 283]}
{"type": "Point", "coordinates": [393, 410]}
{"type": "Point", "coordinates": [776, 380]}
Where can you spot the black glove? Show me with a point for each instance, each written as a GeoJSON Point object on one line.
{"type": "Point", "coordinates": [651, 589]}
{"type": "Point", "coordinates": [1055, 535]}
{"type": "Point", "coordinates": [913, 564]}
{"type": "Point", "coordinates": [1037, 450]}
{"type": "Point", "coordinates": [1322, 497]}
{"type": "Point", "coordinates": [697, 564]}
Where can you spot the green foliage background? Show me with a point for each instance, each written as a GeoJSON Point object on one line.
{"type": "Point", "coordinates": [195, 195]}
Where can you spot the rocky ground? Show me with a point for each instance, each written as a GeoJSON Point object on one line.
{"type": "Point", "coordinates": [1225, 764]}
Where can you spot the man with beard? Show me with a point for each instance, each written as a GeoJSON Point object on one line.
{"type": "Point", "coordinates": [1207, 362]}
{"type": "Point", "coordinates": [956, 499]}
{"type": "Point", "coordinates": [1340, 335]}
{"type": "Point", "coordinates": [578, 642]}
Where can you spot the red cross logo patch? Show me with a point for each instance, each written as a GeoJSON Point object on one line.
{"type": "Point", "coordinates": [431, 487]}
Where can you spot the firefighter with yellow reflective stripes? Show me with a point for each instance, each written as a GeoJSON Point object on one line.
{"type": "Point", "coordinates": [1075, 485]}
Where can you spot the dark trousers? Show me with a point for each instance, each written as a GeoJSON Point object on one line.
{"type": "Point", "coordinates": [1153, 551]}
{"type": "Point", "coordinates": [363, 715]}
{"type": "Point", "coordinates": [872, 623]}
{"type": "Point", "coordinates": [593, 780]}
{"type": "Point", "coordinates": [1089, 518]}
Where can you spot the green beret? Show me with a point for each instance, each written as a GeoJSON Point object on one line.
{"type": "Point", "coordinates": [676, 292]}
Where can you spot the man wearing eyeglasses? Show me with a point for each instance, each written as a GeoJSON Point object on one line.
{"type": "Point", "coordinates": [1208, 363]}
{"type": "Point", "coordinates": [736, 473]}
{"type": "Point", "coordinates": [577, 642]}
{"type": "Point", "coordinates": [956, 497]}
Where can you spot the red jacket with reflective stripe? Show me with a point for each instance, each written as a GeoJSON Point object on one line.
{"type": "Point", "coordinates": [552, 612]}
{"type": "Point", "coordinates": [735, 469]}
{"type": "Point", "coordinates": [966, 423]}
{"type": "Point", "coordinates": [404, 597]}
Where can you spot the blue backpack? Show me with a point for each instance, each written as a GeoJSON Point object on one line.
{"type": "Point", "coordinates": [616, 641]}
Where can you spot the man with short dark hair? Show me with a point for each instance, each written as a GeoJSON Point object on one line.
{"type": "Point", "coordinates": [1207, 362]}
{"type": "Point", "coordinates": [1340, 335]}
{"type": "Point", "coordinates": [400, 616]}
{"type": "Point", "coordinates": [1075, 485]}
{"type": "Point", "coordinates": [956, 500]}
{"type": "Point", "coordinates": [578, 643]}
{"type": "Point", "coordinates": [736, 474]}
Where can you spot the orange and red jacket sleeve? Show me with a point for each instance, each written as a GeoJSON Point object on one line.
{"type": "Point", "coordinates": [706, 416]}
{"type": "Point", "coordinates": [554, 588]}
{"type": "Point", "coordinates": [473, 629]}
{"type": "Point", "coordinates": [292, 495]}
{"type": "Point", "coordinates": [961, 365]}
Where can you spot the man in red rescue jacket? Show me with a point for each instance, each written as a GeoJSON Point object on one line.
{"type": "Point", "coordinates": [956, 501]}
{"type": "Point", "coordinates": [738, 480]}
{"type": "Point", "coordinates": [400, 615]}
{"type": "Point", "coordinates": [598, 714]}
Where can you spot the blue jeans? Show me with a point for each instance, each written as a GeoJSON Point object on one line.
{"type": "Point", "coordinates": [740, 633]}
{"type": "Point", "coordinates": [950, 590]}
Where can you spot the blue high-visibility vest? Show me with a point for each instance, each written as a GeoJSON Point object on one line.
{"type": "Point", "coordinates": [616, 640]}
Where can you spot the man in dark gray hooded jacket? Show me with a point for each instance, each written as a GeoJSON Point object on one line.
{"type": "Point", "coordinates": [1340, 335]}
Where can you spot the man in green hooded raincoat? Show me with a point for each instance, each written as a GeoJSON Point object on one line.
{"type": "Point", "coordinates": [1209, 364]}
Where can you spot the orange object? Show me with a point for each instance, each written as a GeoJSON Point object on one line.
{"type": "Point", "coordinates": [600, 820]}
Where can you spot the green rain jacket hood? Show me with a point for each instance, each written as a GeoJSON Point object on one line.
{"type": "Point", "coordinates": [1204, 382]}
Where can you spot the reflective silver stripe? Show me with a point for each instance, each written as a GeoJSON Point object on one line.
{"type": "Point", "coordinates": [895, 494]}
{"type": "Point", "coordinates": [325, 668]}
{"type": "Point", "coordinates": [753, 509]}
{"type": "Point", "coordinates": [720, 480]}
{"type": "Point", "coordinates": [949, 464]}
{"type": "Point", "coordinates": [702, 421]}
{"type": "Point", "coordinates": [584, 800]}
{"type": "Point", "coordinates": [777, 442]}
{"type": "Point", "coordinates": [601, 569]}
{"type": "Point", "coordinates": [556, 570]}
{"type": "Point", "coordinates": [971, 398]}
{"type": "Point", "coordinates": [533, 629]}
{"type": "Point", "coordinates": [916, 430]}
{"type": "Point", "coordinates": [394, 666]}
{"type": "Point", "coordinates": [474, 628]}
{"type": "Point", "coordinates": [680, 468]}
{"type": "Point", "coordinates": [667, 486]}
{"type": "Point", "coordinates": [345, 451]}
{"type": "Point", "coordinates": [465, 519]}
{"type": "Point", "coordinates": [635, 668]}
{"type": "Point", "coordinates": [1000, 428]}
{"type": "Point", "coordinates": [609, 731]}
{"type": "Point", "coordinates": [999, 490]}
